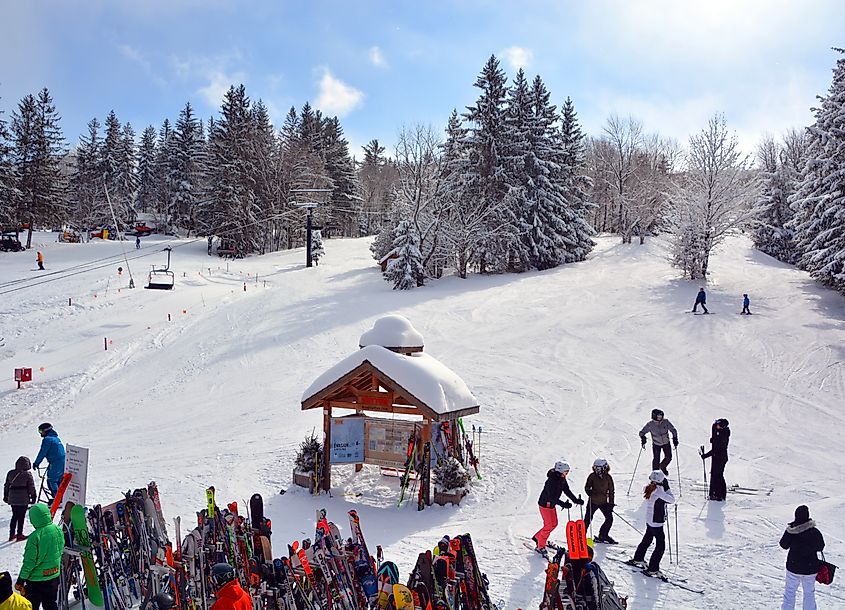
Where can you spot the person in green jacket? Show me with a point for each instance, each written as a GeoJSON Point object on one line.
{"type": "Point", "coordinates": [42, 558]}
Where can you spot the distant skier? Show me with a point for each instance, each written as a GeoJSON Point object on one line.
{"type": "Point", "coordinates": [39, 258]}
{"type": "Point", "coordinates": [660, 428]}
{"type": "Point", "coordinates": [230, 595]}
{"type": "Point", "coordinates": [746, 302]}
{"type": "Point", "coordinates": [549, 501]}
{"type": "Point", "coordinates": [657, 495]}
{"type": "Point", "coordinates": [137, 243]}
{"type": "Point", "coordinates": [804, 542]}
{"type": "Point", "coordinates": [19, 493]}
{"type": "Point", "coordinates": [54, 452]}
{"type": "Point", "coordinates": [719, 437]}
{"type": "Point", "coordinates": [600, 489]}
{"type": "Point", "coordinates": [700, 299]}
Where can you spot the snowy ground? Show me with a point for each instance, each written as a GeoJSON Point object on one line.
{"type": "Point", "coordinates": [567, 362]}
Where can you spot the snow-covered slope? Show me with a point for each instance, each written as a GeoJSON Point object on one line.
{"type": "Point", "coordinates": [565, 363]}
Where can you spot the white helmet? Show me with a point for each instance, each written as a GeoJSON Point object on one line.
{"type": "Point", "coordinates": [657, 476]}
{"type": "Point", "coordinates": [561, 466]}
{"type": "Point", "coordinates": [600, 463]}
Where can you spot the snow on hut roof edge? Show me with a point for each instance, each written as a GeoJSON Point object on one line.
{"type": "Point", "coordinates": [428, 379]}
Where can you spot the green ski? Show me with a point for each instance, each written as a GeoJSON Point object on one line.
{"type": "Point", "coordinates": [82, 538]}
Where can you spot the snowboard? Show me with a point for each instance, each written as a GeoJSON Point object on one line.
{"type": "Point", "coordinates": [402, 597]}
{"type": "Point", "coordinates": [261, 526]}
{"type": "Point", "coordinates": [82, 537]}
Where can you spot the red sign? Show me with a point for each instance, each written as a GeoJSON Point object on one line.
{"type": "Point", "coordinates": [378, 401]}
{"type": "Point", "coordinates": [23, 374]}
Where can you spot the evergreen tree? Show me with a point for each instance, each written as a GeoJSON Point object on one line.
{"type": "Point", "coordinates": [146, 172]}
{"type": "Point", "coordinates": [187, 168]}
{"type": "Point", "coordinates": [406, 271]}
{"type": "Point", "coordinates": [345, 202]}
{"type": "Point", "coordinates": [770, 231]}
{"type": "Point", "coordinates": [165, 192]}
{"type": "Point", "coordinates": [820, 200]}
{"type": "Point", "coordinates": [38, 152]}
{"type": "Point", "coordinates": [317, 250]}
{"type": "Point", "coordinates": [89, 203]}
{"type": "Point", "coordinates": [8, 179]}
{"type": "Point", "coordinates": [117, 176]}
{"type": "Point", "coordinates": [573, 162]}
{"type": "Point", "coordinates": [484, 176]}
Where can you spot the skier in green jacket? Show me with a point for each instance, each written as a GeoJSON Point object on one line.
{"type": "Point", "coordinates": [42, 558]}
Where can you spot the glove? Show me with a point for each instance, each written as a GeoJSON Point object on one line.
{"type": "Point", "coordinates": [642, 438]}
{"type": "Point", "coordinates": [20, 586]}
{"type": "Point", "coordinates": [567, 504]}
{"type": "Point", "coordinates": [579, 502]}
{"type": "Point", "coordinates": [675, 442]}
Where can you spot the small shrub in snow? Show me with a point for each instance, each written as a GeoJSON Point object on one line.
{"type": "Point", "coordinates": [451, 476]}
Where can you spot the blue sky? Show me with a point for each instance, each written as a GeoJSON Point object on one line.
{"type": "Point", "coordinates": [381, 64]}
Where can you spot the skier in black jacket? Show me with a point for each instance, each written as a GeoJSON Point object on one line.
{"type": "Point", "coordinates": [719, 437]}
{"type": "Point", "coordinates": [804, 542]}
{"type": "Point", "coordinates": [549, 501]}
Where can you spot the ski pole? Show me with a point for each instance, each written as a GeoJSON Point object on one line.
{"type": "Point", "coordinates": [624, 520]}
{"type": "Point", "coordinates": [581, 507]}
{"type": "Point", "coordinates": [704, 468]}
{"type": "Point", "coordinates": [677, 550]}
{"type": "Point", "coordinates": [633, 474]}
{"type": "Point", "coordinates": [669, 537]}
{"type": "Point", "coordinates": [678, 464]}
{"type": "Point", "coordinates": [589, 502]}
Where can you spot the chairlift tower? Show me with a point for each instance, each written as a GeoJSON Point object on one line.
{"type": "Point", "coordinates": [308, 203]}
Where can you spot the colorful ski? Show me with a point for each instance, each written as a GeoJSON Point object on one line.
{"type": "Point", "coordinates": [57, 501]}
{"type": "Point", "coordinates": [82, 537]}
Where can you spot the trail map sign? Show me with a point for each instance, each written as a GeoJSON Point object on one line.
{"type": "Point", "coordinates": [76, 463]}
{"type": "Point", "coordinates": [347, 440]}
{"type": "Point", "coordinates": [387, 441]}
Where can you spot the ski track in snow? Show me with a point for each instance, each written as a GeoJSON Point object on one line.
{"type": "Point", "coordinates": [566, 363]}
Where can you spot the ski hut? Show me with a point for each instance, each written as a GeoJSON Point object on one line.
{"type": "Point", "coordinates": [389, 374]}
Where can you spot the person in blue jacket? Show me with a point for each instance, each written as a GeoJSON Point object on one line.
{"type": "Point", "coordinates": [700, 299]}
{"type": "Point", "coordinates": [746, 302]}
{"type": "Point", "coordinates": [54, 452]}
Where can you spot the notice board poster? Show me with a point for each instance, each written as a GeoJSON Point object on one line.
{"type": "Point", "coordinates": [387, 442]}
{"type": "Point", "coordinates": [347, 440]}
{"type": "Point", "coordinates": [76, 463]}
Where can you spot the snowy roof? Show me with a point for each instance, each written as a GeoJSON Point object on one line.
{"type": "Point", "coordinates": [389, 255]}
{"type": "Point", "coordinates": [418, 377]}
{"type": "Point", "coordinates": [393, 332]}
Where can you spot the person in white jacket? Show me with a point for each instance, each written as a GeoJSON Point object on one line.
{"type": "Point", "coordinates": [657, 495]}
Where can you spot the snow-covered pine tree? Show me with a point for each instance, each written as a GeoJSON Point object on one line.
{"type": "Point", "coordinates": [376, 179]}
{"type": "Point", "coordinates": [269, 184]}
{"type": "Point", "coordinates": [484, 174]}
{"type": "Point", "coordinates": [39, 148]}
{"type": "Point", "coordinates": [165, 191]}
{"type": "Point", "coordinates": [820, 199]}
{"type": "Point", "coordinates": [345, 202]}
{"type": "Point", "coordinates": [117, 177]}
{"type": "Point", "coordinates": [145, 171]}
{"type": "Point", "coordinates": [187, 172]}
{"type": "Point", "coordinates": [406, 271]}
{"type": "Point", "coordinates": [88, 206]}
{"type": "Point", "coordinates": [317, 250]}
{"type": "Point", "coordinates": [128, 161]}
{"type": "Point", "coordinates": [8, 189]}
{"type": "Point", "coordinates": [769, 229]}
{"type": "Point", "coordinates": [450, 476]}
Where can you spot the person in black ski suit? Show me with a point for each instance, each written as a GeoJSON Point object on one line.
{"type": "Point", "coordinates": [549, 501]}
{"type": "Point", "coordinates": [660, 428]}
{"type": "Point", "coordinates": [19, 493]}
{"type": "Point", "coordinates": [719, 437]}
{"type": "Point", "coordinates": [804, 543]}
{"type": "Point", "coordinates": [700, 299]}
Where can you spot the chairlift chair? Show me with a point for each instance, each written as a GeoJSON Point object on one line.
{"type": "Point", "coordinates": [161, 278]}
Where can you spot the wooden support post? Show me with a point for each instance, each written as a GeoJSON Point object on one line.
{"type": "Point", "coordinates": [326, 483]}
{"type": "Point", "coordinates": [359, 467]}
{"type": "Point", "coordinates": [426, 478]}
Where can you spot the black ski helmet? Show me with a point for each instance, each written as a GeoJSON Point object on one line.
{"type": "Point", "coordinates": [222, 573]}
{"type": "Point", "coordinates": [655, 413]}
{"type": "Point", "coordinates": [163, 601]}
{"type": "Point", "coordinates": [44, 428]}
{"type": "Point", "coordinates": [722, 423]}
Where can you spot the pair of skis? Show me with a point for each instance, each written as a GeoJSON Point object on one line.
{"type": "Point", "coordinates": [681, 583]}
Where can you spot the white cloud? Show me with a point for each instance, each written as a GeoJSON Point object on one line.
{"type": "Point", "coordinates": [336, 97]}
{"type": "Point", "coordinates": [518, 57]}
{"type": "Point", "coordinates": [134, 55]}
{"type": "Point", "coordinates": [218, 85]}
{"type": "Point", "coordinates": [377, 57]}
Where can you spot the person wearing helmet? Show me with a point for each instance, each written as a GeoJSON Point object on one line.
{"type": "Point", "coordinates": [657, 495]}
{"type": "Point", "coordinates": [601, 496]}
{"type": "Point", "coordinates": [230, 595]}
{"type": "Point", "coordinates": [700, 299]}
{"type": "Point", "coordinates": [54, 452]}
{"type": "Point", "coordinates": [549, 501]}
{"type": "Point", "coordinates": [162, 601]}
{"type": "Point", "coordinates": [719, 437]}
{"type": "Point", "coordinates": [660, 428]}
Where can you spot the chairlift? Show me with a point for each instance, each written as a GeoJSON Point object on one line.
{"type": "Point", "coordinates": [161, 278]}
